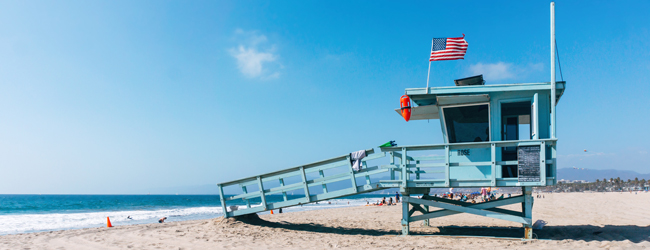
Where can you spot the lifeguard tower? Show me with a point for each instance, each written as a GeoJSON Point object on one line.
{"type": "Point", "coordinates": [494, 136]}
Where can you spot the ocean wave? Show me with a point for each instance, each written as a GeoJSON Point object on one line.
{"type": "Point", "coordinates": [27, 223]}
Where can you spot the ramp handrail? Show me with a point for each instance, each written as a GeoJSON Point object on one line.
{"type": "Point", "coordinates": [301, 171]}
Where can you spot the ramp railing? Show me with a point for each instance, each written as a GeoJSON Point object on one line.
{"type": "Point", "coordinates": [318, 181]}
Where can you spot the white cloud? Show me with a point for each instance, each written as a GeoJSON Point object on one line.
{"type": "Point", "coordinates": [493, 71]}
{"type": "Point", "coordinates": [503, 71]}
{"type": "Point", "coordinates": [251, 61]}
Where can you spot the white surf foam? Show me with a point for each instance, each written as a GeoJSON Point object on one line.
{"type": "Point", "coordinates": [26, 223]}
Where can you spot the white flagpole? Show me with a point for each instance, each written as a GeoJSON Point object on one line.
{"type": "Point", "coordinates": [553, 70]}
{"type": "Point", "coordinates": [429, 70]}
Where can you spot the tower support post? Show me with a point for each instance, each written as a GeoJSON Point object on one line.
{"type": "Point", "coordinates": [527, 211]}
{"type": "Point", "coordinates": [405, 215]}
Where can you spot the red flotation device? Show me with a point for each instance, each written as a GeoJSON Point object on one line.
{"type": "Point", "coordinates": [405, 104]}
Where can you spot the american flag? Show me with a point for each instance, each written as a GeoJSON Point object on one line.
{"type": "Point", "coordinates": [448, 49]}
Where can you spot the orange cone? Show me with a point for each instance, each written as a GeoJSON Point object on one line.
{"type": "Point", "coordinates": [108, 222]}
{"type": "Point", "coordinates": [271, 211]}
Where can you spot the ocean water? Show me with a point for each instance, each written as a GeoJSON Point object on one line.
{"type": "Point", "coordinates": [37, 213]}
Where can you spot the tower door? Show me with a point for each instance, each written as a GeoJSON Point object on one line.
{"type": "Point", "coordinates": [515, 125]}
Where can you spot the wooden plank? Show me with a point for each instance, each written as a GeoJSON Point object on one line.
{"type": "Point", "coordinates": [399, 155]}
{"type": "Point", "coordinates": [427, 165]}
{"type": "Point", "coordinates": [284, 189]}
{"type": "Point", "coordinates": [223, 200]}
{"type": "Point", "coordinates": [248, 202]}
{"type": "Point", "coordinates": [304, 182]}
{"type": "Point", "coordinates": [379, 171]}
{"type": "Point", "coordinates": [244, 196]}
{"type": "Point", "coordinates": [374, 157]}
{"type": "Point", "coordinates": [405, 174]}
{"type": "Point", "coordinates": [470, 164]}
{"type": "Point", "coordinates": [493, 165]}
{"type": "Point", "coordinates": [322, 175]}
{"type": "Point", "coordinates": [480, 89]}
{"type": "Point", "coordinates": [542, 164]}
{"type": "Point", "coordinates": [334, 194]}
{"type": "Point", "coordinates": [354, 181]}
{"type": "Point", "coordinates": [447, 161]}
{"type": "Point", "coordinates": [466, 145]}
{"type": "Point", "coordinates": [429, 158]}
{"type": "Point", "coordinates": [283, 171]}
{"type": "Point", "coordinates": [289, 203]}
{"type": "Point", "coordinates": [284, 194]}
{"type": "Point", "coordinates": [259, 181]}
{"type": "Point", "coordinates": [251, 210]}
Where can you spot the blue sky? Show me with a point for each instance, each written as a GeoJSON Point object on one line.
{"type": "Point", "coordinates": [124, 96]}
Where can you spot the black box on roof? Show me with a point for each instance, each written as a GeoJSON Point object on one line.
{"type": "Point", "coordinates": [472, 80]}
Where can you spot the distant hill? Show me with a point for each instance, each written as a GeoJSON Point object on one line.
{"type": "Point", "coordinates": [593, 174]}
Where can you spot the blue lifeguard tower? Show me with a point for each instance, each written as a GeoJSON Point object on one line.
{"type": "Point", "coordinates": [494, 136]}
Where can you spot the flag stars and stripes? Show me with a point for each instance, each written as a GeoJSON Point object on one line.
{"type": "Point", "coordinates": [448, 49]}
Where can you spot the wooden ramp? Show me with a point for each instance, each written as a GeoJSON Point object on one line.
{"type": "Point", "coordinates": [315, 182]}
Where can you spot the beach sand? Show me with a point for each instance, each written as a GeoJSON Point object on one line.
{"type": "Point", "coordinates": [575, 221]}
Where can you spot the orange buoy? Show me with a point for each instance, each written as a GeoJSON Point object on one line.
{"type": "Point", "coordinates": [108, 222]}
{"type": "Point", "coordinates": [405, 104]}
{"type": "Point", "coordinates": [271, 211]}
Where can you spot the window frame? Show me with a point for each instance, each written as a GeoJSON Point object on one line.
{"type": "Point", "coordinates": [444, 122]}
{"type": "Point", "coordinates": [533, 115]}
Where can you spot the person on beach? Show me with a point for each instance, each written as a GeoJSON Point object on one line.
{"type": "Point", "coordinates": [383, 201]}
{"type": "Point", "coordinates": [162, 220]}
{"type": "Point", "coordinates": [390, 201]}
{"type": "Point", "coordinates": [396, 197]}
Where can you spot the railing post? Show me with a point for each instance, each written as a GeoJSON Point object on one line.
{"type": "Point", "coordinates": [417, 171]}
{"type": "Point", "coordinates": [304, 182]}
{"type": "Point", "coordinates": [405, 174]}
{"type": "Point", "coordinates": [354, 180]}
{"type": "Point", "coordinates": [554, 166]}
{"type": "Point", "coordinates": [284, 194]}
{"type": "Point", "coordinates": [392, 162]}
{"type": "Point", "coordinates": [542, 163]}
{"type": "Point", "coordinates": [223, 201]}
{"type": "Point", "coordinates": [248, 202]}
{"type": "Point", "coordinates": [259, 183]}
{"type": "Point", "coordinates": [527, 210]}
{"type": "Point", "coordinates": [365, 166]}
{"type": "Point", "coordinates": [405, 213]}
{"type": "Point", "coordinates": [493, 157]}
{"type": "Point", "coordinates": [534, 123]}
{"type": "Point", "coordinates": [322, 175]}
{"type": "Point", "coordinates": [447, 182]}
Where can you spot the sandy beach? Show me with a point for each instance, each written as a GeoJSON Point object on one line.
{"type": "Point", "coordinates": [575, 221]}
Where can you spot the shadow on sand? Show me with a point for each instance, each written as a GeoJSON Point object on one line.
{"type": "Point", "coordinates": [634, 234]}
